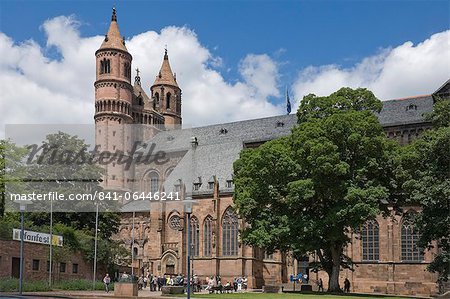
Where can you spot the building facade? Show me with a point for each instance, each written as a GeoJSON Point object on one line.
{"type": "Point", "coordinates": [37, 264]}
{"type": "Point", "coordinates": [199, 163]}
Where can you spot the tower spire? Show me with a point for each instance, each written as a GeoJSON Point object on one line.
{"type": "Point", "coordinates": [113, 39]}
{"type": "Point", "coordinates": [114, 16]}
{"type": "Point", "coordinates": [165, 74]}
{"type": "Point", "coordinates": [137, 79]}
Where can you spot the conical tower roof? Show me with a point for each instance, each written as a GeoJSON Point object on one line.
{"type": "Point", "coordinates": [113, 39]}
{"type": "Point", "coordinates": [165, 75]}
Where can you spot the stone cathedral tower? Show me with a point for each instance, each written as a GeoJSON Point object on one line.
{"type": "Point", "coordinates": [124, 113]}
{"type": "Point", "coordinates": [167, 94]}
{"type": "Point", "coordinates": [113, 102]}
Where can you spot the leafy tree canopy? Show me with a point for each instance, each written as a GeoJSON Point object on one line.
{"type": "Point", "coordinates": [307, 191]}
{"type": "Point", "coordinates": [424, 172]}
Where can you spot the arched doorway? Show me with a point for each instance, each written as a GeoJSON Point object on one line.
{"type": "Point", "coordinates": [169, 264]}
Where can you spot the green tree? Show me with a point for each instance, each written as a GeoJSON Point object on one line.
{"type": "Point", "coordinates": [63, 162]}
{"type": "Point", "coordinates": [11, 168]}
{"type": "Point", "coordinates": [424, 171]}
{"type": "Point", "coordinates": [308, 191]}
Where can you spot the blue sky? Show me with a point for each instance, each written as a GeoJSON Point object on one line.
{"type": "Point", "coordinates": [233, 59]}
{"type": "Point", "coordinates": [298, 33]}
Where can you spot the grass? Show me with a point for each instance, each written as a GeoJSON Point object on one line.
{"type": "Point", "coordinates": [12, 285]}
{"type": "Point", "coordinates": [287, 296]}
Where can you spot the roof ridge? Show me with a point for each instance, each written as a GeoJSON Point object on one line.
{"type": "Point", "coordinates": [410, 97]}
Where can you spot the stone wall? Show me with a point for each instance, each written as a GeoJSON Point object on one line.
{"type": "Point", "coordinates": [10, 249]}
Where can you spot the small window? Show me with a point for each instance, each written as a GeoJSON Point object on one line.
{"type": "Point", "coordinates": [411, 107]}
{"type": "Point", "coordinates": [229, 184]}
{"type": "Point", "coordinates": [168, 96]}
{"type": "Point", "coordinates": [154, 182]}
{"type": "Point", "coordinates": [48, 266]}
{"type": "Point", "coordinates": [280, 124]}
{"type": "Point", "coordinates": [62, 267]}
{"type": "Point", "coordinates": [197, 186]}
{"type": "Point", "coordinates": [127, 70]}
{"type": "Point", "coordinates": [114, 133]}
{"type": "Point", "coordinates": [223, 131]}
{"type": "Point", "coordinates": [210, 185]}
{"type": "Point", "coordinates": [113, 177]}
{"type": "Point", "coordinates": [105, 66]}
{"type": "Point", "coordinates": [35, 265]}
{"type": "Point", "coordinates": [268, 256]}
{"type": "Point", "coordinates": [74, 268]}
{"type": "Point", "coordinates": [135, 252]}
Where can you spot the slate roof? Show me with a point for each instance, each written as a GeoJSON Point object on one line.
{"type": "Point", "coordinates": [219, 145]}
{"type": "Point", "coordinates": [405, 111]}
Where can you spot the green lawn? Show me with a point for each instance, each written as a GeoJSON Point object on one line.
{"type": "Point", "coordinates": [287, 296]}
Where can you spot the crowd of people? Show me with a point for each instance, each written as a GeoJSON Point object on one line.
{"type": "Point", "coordinates": [213, 283]}
{"type": "Point", "coordinates": [155, 282]}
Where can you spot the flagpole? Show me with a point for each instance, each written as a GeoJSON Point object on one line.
{"type": "Point", "coordinates": [51, 245]}
{"type": "Point", "coordinates": [95, 248]}
{"type": "Point", "coordinates": [288, 102]}
{"type": "Point", "coordinates": [132, 248]}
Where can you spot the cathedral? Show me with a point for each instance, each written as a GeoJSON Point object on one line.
{"type": "Point", "coordinates": [198, 162]}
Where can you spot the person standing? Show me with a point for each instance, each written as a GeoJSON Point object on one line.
{"type": "Point", "coordinates": [145, 281]}
{"type": "Point", "coordinates": [346, 286]}
{"type": "Point", "coordinates": [154, 283]}
{"type": "Point", "coordinates": [239, 284]}
{"type": "Point", "coordinates": [244, 282]}
{"type": "Point", "coordinates": [235, 287]}
{"type": "Point", "coordinates": [106, 282]}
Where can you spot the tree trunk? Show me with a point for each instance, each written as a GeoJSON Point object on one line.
{"type": "Point", "coordinates": [333, 281]}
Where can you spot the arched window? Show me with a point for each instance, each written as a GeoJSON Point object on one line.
{"type": "Point", "coordinates": [127, 70]}
{"type": "Point", "coordinates": [207, 236]}
{"type": "Point", "coordinates": [410, 238]}
{"type": "Point", "coordinates": [135, 252]}
{"type": "Point", "coordinates": [230, 233]}
{"type": "Point", "coordinates": [195, 234]}
{"type": "Point", "coordinates": [156, 100]}
{"type": "Point", "coordinates": [370, 241]}
{"type": "Point", "coordinates": [154, 182]}
{"type": "Point", "coordinates": [105, 66]}
{"type": "Point", "coordinates": [168, 95]}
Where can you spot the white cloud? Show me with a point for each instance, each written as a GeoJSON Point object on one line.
{"type": "Point", "coordinates": [403, 71]}
{"type": "Point", "coordinates": [39, 89]}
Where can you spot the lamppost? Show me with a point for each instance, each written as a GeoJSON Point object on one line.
{"type": "Point", "coordinates": [51, 246]}
{"type": "Point", "coordinates": [95, 247]}
{"type": "Point", "coordinates": [188, 204]}
{"type": "Point", "coordinates": [132, 247]}
{"type": "Point", "coordinates": [23, 207]}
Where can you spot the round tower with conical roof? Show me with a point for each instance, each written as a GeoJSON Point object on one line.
{"type": "Point", "coordinates": [113, 102]}
{"type": "Point", "coordinates": [166, 94]}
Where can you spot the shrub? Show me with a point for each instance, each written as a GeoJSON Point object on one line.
{"type": "Point", "coordinates": [12, 285]}
{"type": "Point", "coordinates": [79, 285]}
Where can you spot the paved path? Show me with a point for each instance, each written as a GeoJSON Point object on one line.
{"type": "Point", "coordinates": [98, 294]}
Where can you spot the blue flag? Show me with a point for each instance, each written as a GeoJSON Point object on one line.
{"type": "Point", "coordinates": [288, 102]}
